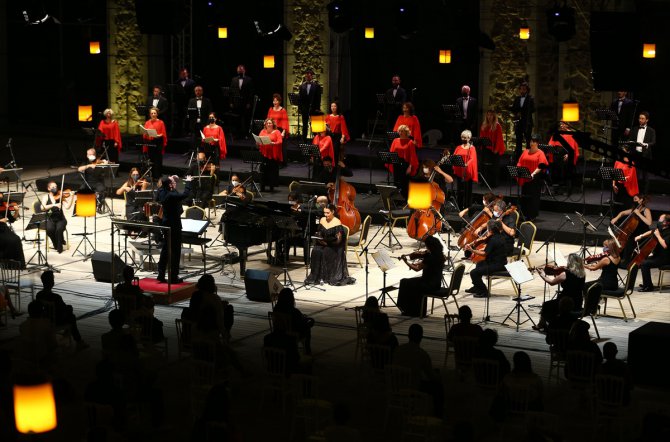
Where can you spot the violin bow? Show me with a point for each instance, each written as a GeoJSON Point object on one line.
{"type": "Point", "coordinates": [62, 183]}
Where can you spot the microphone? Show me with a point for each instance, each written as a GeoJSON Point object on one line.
{"type": "Point", "coordinates": [568, 218]}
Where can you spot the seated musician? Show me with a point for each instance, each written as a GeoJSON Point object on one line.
{"type": "Point", "coordinates": [54, 204]}
{"type": "Point", "coordinates": [641, 210]}
{"type": "Point", "coordinates": [496, 258]}
{"type": "Point", "coordinates": [475, 208]}
{"type": "Point", "coordinates": [134, 210]}
{"type": "Point", "coordinates": [11, 246]}
{"type": "Point", "coordinates": [9, 210]}
{"type": "Point", "coordinates": [329, 259]}
{"type": "Point", "coordinates": [411, 290]}
{"type": "Point", "coordinates": [235, 188]}
{"type": "Point", "coordinates": [661, 254]}
{"type": "Point", "coordinates": [608, 262]}
{"type": "Point", "coordinates": [508, 224]}
{"type": "Point", "coordinates": [202, 188]}
{"type": "Point", "coordinates": [571, 278]}
{"type": "Point", "coordinates": [94, 177]}
{"type": "Point", "coordinates": [328, 175]}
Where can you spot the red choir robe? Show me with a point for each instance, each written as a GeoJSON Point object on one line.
{"type": "Point", "coordinates": [110, 131]}
{"type": "Point", "coordinates": [471, 171]}
{"type": "Point", "coordinates": [414, 128]}
{"type": "Point", "coordinates": [571, 141]}
{"type": "Point", "coordinates": [530, 161]}
{"type": "Point", "coordinates": [338, 125]}
{"type": "Point", "coordinates": [159, 126]}
{"type": "Point", "coordinates": [631, 178]}
{"type": "Point", "coordinates": [495, 136]}
{"type": "Point", "coordinates": [280, 118]}
{"type": "Point", "coordinates": [216, 132]}
{"type": "Point", "coordinates": [406, 150]}
{"type": "Point", "coordinates": [325, 144]}
{"type": "Point", "coordinates": [272, 151]}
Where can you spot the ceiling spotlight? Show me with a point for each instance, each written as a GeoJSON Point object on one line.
{"type": "Point", "coordinates": [561, 22]}
{"type": "Point", "coordinates": [340, 17]}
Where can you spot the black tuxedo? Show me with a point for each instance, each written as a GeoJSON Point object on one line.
{"type": "Point", "coordinates": [468, 121]}
{"type": "Point", "coordinates": [241, 101]}
{"type": "Point", "coordinates": [523, 127]}
{"type": "Point", "coordinates": [393, 105]}
{"type": "Point", "coordinates": [310, 102]}
{"type": "Point", "coordinates": [625, 114]}
{"type": "Point", "coordinates": [182, 93]}
{"type": "Point", "coordinates": [163, 107]}
{"type": "Point", "coordinates": [198, 115]}
{"type": "Point", "coordinates": [650, 140]}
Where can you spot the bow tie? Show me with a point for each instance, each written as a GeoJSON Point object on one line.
{"type": "Point", "coordinates": [198, 98]}
{"type": "Point", "coordinates": [643, 127]}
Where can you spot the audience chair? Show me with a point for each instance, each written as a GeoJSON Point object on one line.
{"type": "Point", "coordinates": [592, 304]}
{"type": "Point", "coordinates": [361, 334]}
{"type": "Point", "coordinates": [184, 336]}
{"type": "Point", "coordinates": [558, 341]}
{"type": "Point", "coordinates": [580, 369]}
{"type": "Point", "coordinates": [359, 240]}
{"type": "Point", "coordinates": [4, 309]}
{"type": "Point", "coordinates": [449, 321]}
{"type": "Point", "coordinates": [621, 293]}
{"type": "Point", "coordinates": [444, 293]}
{"type": "Point", "coordinates": [464, 350]}
{"type": "Point", "coordinates": [487, 375]}
{"type": "Point", "coordinates": [287, 322]}
{"type": "Point", "coordinates": [661, 273]}
{"type": "Point", "coordinates": [398, 380]}
{"type": "Point", "coordinates": [62, 330]}
{"type": "Point", "coordinates": [277, 383]}
{"type": "Point", "coordinates": [378, 356]}
{"type": "Point", "coordinates": [15, 282]}
{"type": "Point", "coordinates": [308, 406]}
{"type": "Point", "coordinates": [610, 407]}
{"type": "Point", "coordinates": [143, 330]}
{"type": "Point", "coordinates": [127, 303]}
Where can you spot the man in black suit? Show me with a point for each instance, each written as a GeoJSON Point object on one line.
{"type": "Point", "coordinates": [199, 109]}
{"type": "Point", "coordinates": [624, 108]}
{"type": "Point", "coordinates": [468, 108]}
{"type": "Point", "coordinates": [310, 99]}
{"type": "Point", "coordinates": [523, 109]}
{"type": "Point", "coordinates": [157, 100]}
{"type": "Point", "coordinates": [645, 137]}
{"type": "Point", "coordinates": [171, 201]}
{"type": "Point", "coordinates": [241, 98]}
{"type": "Point", "coordinates": [394, 98]}
{"type": "Point", "coordinates": [183, 91]}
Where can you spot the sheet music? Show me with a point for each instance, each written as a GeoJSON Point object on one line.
{"type": "Point", "coordinates": [148, 132]}
{"type": "Point", "coordinates": [383, 260]}
{"type": "Point", "coordinates": [208, 140]}
{"type": "Point", "coordinates": [519, 272]}
{"type": "Point", "coordinates": [262, 140]}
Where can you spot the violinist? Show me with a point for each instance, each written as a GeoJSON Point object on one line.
{"type": "Point", "coordinates": [430, 262]}
{"type": "Point", "coordinates": [624, 191]}
{"type": "Point", "coordinates": [468, 174]}
{"type": "Point", "coordinates": [641, 210]}
{"type": "Point", "coordinates": [494, 261]}
{"type": "Point", "coordinates": [507, 218]}
{"type": "Point", "coordinates": [134, 210]}
{"type": "Point", "coordinates": [204, 181]}
{"type": "Point", "coordinates": [661, 254]}
{"type": "Point", "coordinates": [53, 204]}
{"type": "Point", "coordinates": [272, 153]}
{"type": "Point", "coordinates": [571, 278]}
{"type": "Point", "coordinates": [608, 262]}
{"type": "Point", "coordinates": [213, 142]}
{"type": "Point", "coordinates": [10, 243]}
{"type": "Point", "coordinates": [406, 150]}
{"type": "Point", "coordinates": [94, 177]}
{"type": "Point", "coordinates": [236, 188]}
{"type": "Point", "coordinates": [9, 211]}
{"type": "Point", "coordinates": [535, 161]}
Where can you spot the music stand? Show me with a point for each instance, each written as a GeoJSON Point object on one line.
{"type": "Point", "coordinates": [387, 157]}
{"type": "Point", "coordinates": [455, 160]}
{"type": "Point", "coordinates": [288, 226]}
{"type": "Point", "coordinates": [520, 274]}
{"type": "Point", "coordinates": [452, 112]}
{"type": "Point", "coordinates": [385, 263]}
{"type": "Point", "coordinates": [11, 176]}
{"type": "Point", "coordinates": [586, 227]}
{"type": "Point", "coordinates": [36, 222]}
{"type": "Point", "coordinates": [518, 172]}
{"type": "Point", "coordinates": [254, 158]}
{"type": "Point", "coordinates": [607, 115]}
{"type": "Point", "coordinates": [310, 153]}
{"type": "Point", "coordinates": [610, 174]}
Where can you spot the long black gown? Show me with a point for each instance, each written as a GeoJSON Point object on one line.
{"type": "Point", "coordinates": [329, 262]}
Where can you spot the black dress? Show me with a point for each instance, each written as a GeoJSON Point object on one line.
{"type": "Point", "coordinates": [411, 290]}
{"type": "Point", "coordinates": [573, 287]}
{"type": "Point", "coordinates": [329, 261]}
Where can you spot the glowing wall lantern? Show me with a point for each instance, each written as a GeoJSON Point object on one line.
{"type": "Point", "coordinates": [524, 32]}
{"type": "Point", "coordinates": [570, 111]}
{"type": "Point", "coordinates": [318, 123]}
{"type": "Point", "coordinates": [369, 32]}
{"type": "Point", "coordinates": [85, 112]}
{"type": "Point", "coordinates": [269, 61]}
{"type": "Point", "coordinates": [223, 32]}
{"type": "Point", "coordinates": [445, 56]}
{"type": "Point", "coordinates": [94, 47]}
{"type": "Point", "coordinates": [649, 50]}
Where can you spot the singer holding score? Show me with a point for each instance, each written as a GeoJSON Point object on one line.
{"type": "Point", "coordinates": [155, 149]}
{"type": "Point", "coordinates": [213, 142]}
{"type": "Point", "coordinates": [412, 122]}
{"type": "Point", "coordinates": [468, 174]}
{"type": "Point", "coordinates": [272, 153]}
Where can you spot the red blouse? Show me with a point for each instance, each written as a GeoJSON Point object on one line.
{"type": "Point", "coordinates": [159, 126]}
{"type": "Point", "coordinates": [471, 171]}
{"type": "Point", "coordinates": [338, 125]}
{"type": "Point", "coordinates": [571, 141]}
{"type": "Point", "coordinates": [414, 128]}
{"type": "Point", "coordinates": [280, 118]}
{"type": "Point", "coordinates": [216, 132]}
{"type": "Point", "coordinates": [271, 151]}
{"type": "Point", "coordinates": [530, 161]}
{"type": "Point", "coordinates": [631, 177]}
{"type": "Point", "coordinates": [325, 144]}
{"type": "Point", "coordinates": [406, 150]}
{"type": "Point", "coordinates": [110, 131]}
{"type": "Point", "coordinates": [495, 136]}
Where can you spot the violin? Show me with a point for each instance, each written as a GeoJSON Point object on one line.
{"type": "Point", "coordinates": [595, 258]}
{"type": "Point", "coordinates": [9, 207]}
{"type": "Point", "coordinates": [65, 194]}
{"type": "Point", "coordinates": [551, 270]}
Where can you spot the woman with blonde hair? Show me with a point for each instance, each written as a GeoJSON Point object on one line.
{"type": "Point", "coordinates": [110, 133]}
{"type": "Point", "coordinates": [571, 279]}
{"type": "Point", "coordinates": [492, 131]}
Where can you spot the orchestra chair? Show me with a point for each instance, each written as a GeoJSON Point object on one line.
{"type": "Point", "coordinates": [250, 195]}
{"type": "Point", "coordinates": [661, 273]}
{"type": "Point", "coordinates": [294, 186]}
{"type": "Point", "coordinates": [592, 304]}
{"type": "Point", "coordinates": [525, 244]}
{"type": "Point", "coordinates": [195, 212]}
{"type": "Point", "coordinates": [391, 217]}
{"type": "Point", "coordinates": [37, 208]}
{"type": "Point", "coordinates": [360, 239]}
{"type": "Point", "coordinates": [623, 292]}
{"type": "Point", "coordinates": [14, 283]}
{"type": "Point", "coordinates": [444, 293]}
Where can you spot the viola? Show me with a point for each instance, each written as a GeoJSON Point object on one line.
{"type": "Point", "coordinates": [552, 270]}
{"type": "Point", "coordinates": [65, 194]}
{"type": "Point", "coordinates": [595, 258]}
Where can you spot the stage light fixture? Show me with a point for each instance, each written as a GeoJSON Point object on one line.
{"type": "Point", "coordinates": [277, 30]}
{"type": "Point", "coordinates": [340, 17]}
{"type": "Point", "coordinates": [561, 22]}
{"type": "Point", "coordinates": [34, 408]}
{"type": "Point", "coordinates": [649, 50]}
{"type": "Point", "coordinates": [406, 19]}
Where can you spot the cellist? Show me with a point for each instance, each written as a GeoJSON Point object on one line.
{"type": "Point", "coordinates": [640, 210]}
{"type": "Point", "coordinates": [661, 254]}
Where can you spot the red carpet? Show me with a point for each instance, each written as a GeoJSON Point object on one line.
{"type": "Point", "coordinates": [159, 291]}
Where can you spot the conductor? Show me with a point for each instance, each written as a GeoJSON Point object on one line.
{"type": "Point", "coordinates": [171, 201]}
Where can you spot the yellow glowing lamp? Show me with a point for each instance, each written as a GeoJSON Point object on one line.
{"type": "Point", "coordinates": [369, 33]}
{"type": "Point", "coordinates": [524, 32]}
{"type": "Point", "coordinates": [85, 204]}
{"type": "Point", "coordinates": [570, 111]}
{"type": "Point", "coordinates": [649, 50]}
{"type": "Point", "coordinates": [223, 32]}
{"type": "Point", "coordinates": [94, 47]}
{"type": "Point", "coordinates": [269, 61]}
{"type": "Point", "coordinates": [420, 196]}
{"type": "Point", "coordinates": [318, 123]}
{"type": "Point", "coordinates": [445, 56]}
{"type": "Point", "coordinates": [85, 112]}
{"type": "Point", "coordinates": [34, 408]}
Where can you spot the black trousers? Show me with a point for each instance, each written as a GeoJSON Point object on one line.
{"type": "Point", "coordinates": [55, 230]}
{"type": "Point", "coordinates": [482, 269]}
{"type": "Point", "coordinates": [464, 193]}
{"type": "Point", "coordinates": [648, 264]}
{"type": "Point", "coordinates": [530, 198]}
{"type": "Point", "coordinates": [155, 155]}
{"type": "Point", "coordinates": [164, 261]}
{"type": "Point", "coordinates": [490, 166]}
{"type": "Point", "coordinates": [270, 174]}
{"type": "Point", "coordinates": [522, 134]}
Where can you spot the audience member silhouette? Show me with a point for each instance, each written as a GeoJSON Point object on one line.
{"type": "Point", "coordinates": [135, 299]}
{"type": "Point", "coordinates": [205, 297]}
{"type": "Point", "coordinates": [370, 310]}
{"type": "Point", "coordinates": [300, 323]}
{"type": "Point", "coordinates": [579, 339]}
{"type": "Point", "coordinates": [616, 367]}
{"type": "Point", "coordinates": [215, 423]}
{"type": "Point", "coordinates": [464, 327]}
{"type": "Point", "coordinates": [105, 391]}
{"type": "Point", "coordinates": [280, 339]}
{"type": "Point", "coordinates": [522, 376]}
{"type": "Point", "coordinates": [339, 431]}
{"type": "Point", "coordinates": [37, 334]}
{"type": "Point", "coordinates": [380, 332]}
{"type": "Point", "coordinates": [112, 341]}
{"type": "Point", "coordinates": [206, 331]}
{"type": "Point", "coordinates": [487, 350]}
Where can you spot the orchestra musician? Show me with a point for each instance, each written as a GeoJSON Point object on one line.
{"type": "Point", "coordinates": [487, 199]}
{"type": "Point", "coordinates": [660, 256]}
{"type": "Point", "coordinates": [495, 259]}
{"type": "Point", "coordinates": [11, 246]}
{"type": "Point", "coordinates": [626, 190]}
{"type": "Point", "coordinates": [412, 122]}
{"type": "Point", "coordinates": [430, 262]}
{"type": "Point", "coordinates": [53, 204]}
{"type": "Point", "coordinates": [405, 147]}
{"type": "Point", "coordinates": [111, 134]}
{"type": "Point", "coordinates": [171, 201]}
{"type": "Point", "coordinates": [535, 161]}
{"type": "Point", "coordinates": [235, 188]}
{"type": "Point", "coordinates": [468, 174]}
{"type": "Point", "coordinates": [94, 177]}
{"type": "Point", "coordinates": [215, 149]}
{"type": "Point", "coordinates": [9, 211]}
{"type": "Point", "coordinates": [328, 263]}
{"type": "Point", "coordinates": [507, 224]}
{"type": "Point", "coordinates": [338, 129]}
{"type": "Point", "coordinates": [202, 189]}
{"type": "Point", "coordinates": [440, 177]}
{"type": "Point", "coordinates": [272, 153]}
{"type": "Point", "coordinates": [134, 210]}
{"type": "Point", "coordinates": [571, 278]}
{"type": "Point", "coordinates": [643, 212]}
{"type": "Point", "coordinates": [327, 175]}
{"type": "Point", "coordinates": [490, 161]}
{"type": "Point", "coordinates": [608, 262]}
{"type": "Point", "coordinates": [156, 151]}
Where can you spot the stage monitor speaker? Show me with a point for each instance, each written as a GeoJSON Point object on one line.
{"type": "Point", "coordinates": [261, 285]}
{"type": "Point", "coordinates": [102, 267]}
{"type": "Point", "coordinates": [166, 17]}
{"type": "Point", "coordinates": [615, 51]}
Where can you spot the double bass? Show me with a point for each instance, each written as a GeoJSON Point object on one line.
{"type": "Point", "coordinates": [426, 222]}
{"type": "Point", "coordinates": [627, 227]}
{"type": "Point", "coordinates": [343, 195]}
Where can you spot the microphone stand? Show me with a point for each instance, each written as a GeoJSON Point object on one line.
{"type": "Point", "coordinates": [374, 128]}
{"type": "Point", "coordinates": [308, 241]}
{"type": "Point", "coordinates": [546, 252]}
{"type": "Point", "coordinates": [367, 261]}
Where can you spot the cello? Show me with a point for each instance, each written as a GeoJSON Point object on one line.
{"type": "Point", "coordinates": [425, 222]}
{"type": "Point", "coordinates": [627, 226]}
{"type": "Point", "coordinates": [469, 234]}
{"type": "Point", "coordinates": [480, 242]}
{"type": "Point", "coordinates": [343, 196]}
